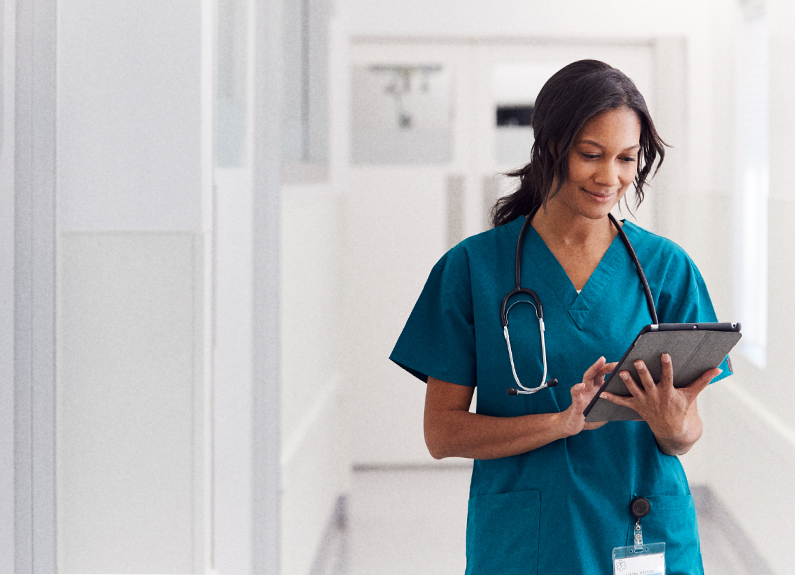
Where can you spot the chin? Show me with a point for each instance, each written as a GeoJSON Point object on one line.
{"type": "Point", "coordinates": [597, 213]}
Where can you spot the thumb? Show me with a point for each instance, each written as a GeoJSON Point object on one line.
{"type": "Point", "coordinates": [577, 393]}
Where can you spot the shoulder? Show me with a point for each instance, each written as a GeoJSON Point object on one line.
{"type": "Point", "coordinates": [479, 254]}
{"type": "Point", "coordinates": [663, 260]}
{"type": "Point", "coordinates": [643, 239]}
{"type": "Point", "coordinates": [679, 290]}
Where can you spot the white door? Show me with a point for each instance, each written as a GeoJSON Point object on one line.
{"type": "Point", "coordinates": [425, 154]}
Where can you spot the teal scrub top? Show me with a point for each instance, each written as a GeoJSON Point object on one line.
{"type": "Point", "coordinates": [561, 508]}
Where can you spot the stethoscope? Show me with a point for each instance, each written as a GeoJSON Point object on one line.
{"type": "Point", "coordinates": [540, 312]}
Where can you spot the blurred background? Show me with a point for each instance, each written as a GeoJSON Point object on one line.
{"type": "Point", "coordinates": [218, 214]}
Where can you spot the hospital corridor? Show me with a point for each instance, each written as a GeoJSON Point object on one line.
{"type": "Point", "coordinates": [390, 511]}
{"type": "Point", "coordinates": [220, 219]}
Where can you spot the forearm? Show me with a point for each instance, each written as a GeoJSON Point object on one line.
{"type": "Point", "coordinates": [459, 433]}
{"type": "Point", "coordinates": [679, 442]}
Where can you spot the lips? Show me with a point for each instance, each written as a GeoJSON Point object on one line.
{"type": "Point", "coordinates": [598, 197]}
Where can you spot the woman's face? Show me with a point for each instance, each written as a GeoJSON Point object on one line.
{"type": "Point", "coordinates": [603, 162]}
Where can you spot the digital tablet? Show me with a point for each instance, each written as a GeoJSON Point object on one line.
{"type": "Point", "coordinates": [694, 348]}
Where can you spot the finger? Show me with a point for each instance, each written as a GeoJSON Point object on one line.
{"type": "Point", "coordinates": [591, 372]}
{"type": "Point", "coordinates": [645, 377]}
{"type": "Point", "coordinates": [632, 386]}
{"type": "Point", "coordinates": [600, 377]}
{"type": "Point", "coordinates": [667, 371]}
{"type": "Point", "coordinates": [702, 382]}
{"type": "Point", "coordinates": [617, 399]}
{"type": "Point", "coordinates": [579, 398]}
{"type": "Point", "coordinates": [576, 391]}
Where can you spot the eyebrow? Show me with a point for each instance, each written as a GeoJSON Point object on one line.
{"type": "Point", "coordinates": [635, 147]}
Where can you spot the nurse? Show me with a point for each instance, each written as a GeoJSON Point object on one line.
{"type": "Point", "coordinates": [551, 493]}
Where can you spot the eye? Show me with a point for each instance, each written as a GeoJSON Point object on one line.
{"type": "Point", "coordinates": [589, 156]}
{"type": "Point", "coordinates": [628, 159]}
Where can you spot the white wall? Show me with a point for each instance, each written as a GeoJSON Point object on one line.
{"type": "Point", "coordinates": [314, 463]}
{"type": "Point", "coordinates": [127, 382]}
{"type": "Point", "coordinates": [151, 274]}
{"type": "Point", "coordinates": [131, 397]}
{"type": "Point", "coordinates": [315, 459]}
{"type": "Point", "coordinates": [568, 20]}
{"type": "Point", "coordinates": [130, 105]}
{"type": "Point", "coordinates": [315, 398]}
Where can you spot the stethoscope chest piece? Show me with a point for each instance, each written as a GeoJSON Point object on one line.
{"type": "Point", "coordinates": [536, 303]}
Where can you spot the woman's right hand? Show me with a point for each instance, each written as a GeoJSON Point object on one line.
{"type": "Point", "coordinates": [452, 431]}
{"type": "Point", "coordinates": [581, 396]}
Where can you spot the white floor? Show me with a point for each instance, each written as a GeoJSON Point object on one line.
{"type": "Point", "coordinates": [413, 522]}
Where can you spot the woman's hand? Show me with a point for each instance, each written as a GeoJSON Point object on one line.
{"type": "Point", "coordinates": [581, 396]}
{"type": "Point", "coordinates": [672, 414]}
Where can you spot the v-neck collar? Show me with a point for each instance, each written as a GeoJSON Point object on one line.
{"type": "Point", "coordinates": [579, 305]}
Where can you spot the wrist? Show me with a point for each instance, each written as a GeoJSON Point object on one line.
{"type": "Point", "coordinates": [562, 425]}
{"type": "Point", "coordinates": [674, 443]}
{"type": "Point", "coordinates": [669, 433]}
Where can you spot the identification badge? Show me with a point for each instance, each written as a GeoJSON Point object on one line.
{"type": "Point", "coordinates": [649, 560]}
{"type": "Point", "coordinates": [640, 558]}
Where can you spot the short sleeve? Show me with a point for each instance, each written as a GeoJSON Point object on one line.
{"type": "Point", "coordinates": [695, 307]}
{"type": "Point", "coordinates": [439, 337]}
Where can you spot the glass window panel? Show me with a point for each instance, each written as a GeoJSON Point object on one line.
{"type": "Point", "coordinates": [230, 104]}
{"type": "Point", "coordinates": [305, 106]}
{"type": "Point", "coordinates": [752, 185]}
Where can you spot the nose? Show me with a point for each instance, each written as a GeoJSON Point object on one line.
{"type": "Point", "coordinates": [607, 174]}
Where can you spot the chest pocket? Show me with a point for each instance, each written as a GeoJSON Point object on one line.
{"type": "Point", "coordinates": [672, 520]}
{"type": "Point", "coordinates": [502, 534]}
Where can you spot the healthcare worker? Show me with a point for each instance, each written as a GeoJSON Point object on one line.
{"type": "Point", "coordinates": [551, 493]}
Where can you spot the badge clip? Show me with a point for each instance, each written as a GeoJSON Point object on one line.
{"type": "Point", "coordinates": [639, 558]}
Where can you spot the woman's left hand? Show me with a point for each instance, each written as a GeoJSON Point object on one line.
{"type": "Point", "coordinates": [672, 413]}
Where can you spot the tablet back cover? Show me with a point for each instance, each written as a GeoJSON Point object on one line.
{"type": "Point", "coordinates": [692, 353]}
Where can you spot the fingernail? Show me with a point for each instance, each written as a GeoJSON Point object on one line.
{"type": "Point", "coordinates": [720, 371]}
{"type": "Point", "coordinates": [666, 358]}
{"type": "Point", "coordinates": [639, 365]}
{"type": "Point", "coordinates": [624, 375]}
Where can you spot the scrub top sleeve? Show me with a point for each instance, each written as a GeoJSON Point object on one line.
{"type": "Point", "coordinates": [439, 337]}
{"type": "Point", "coordinates": [697, 307]}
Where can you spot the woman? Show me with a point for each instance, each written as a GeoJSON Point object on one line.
{"type": "Point", "coordinates": [550, 493]}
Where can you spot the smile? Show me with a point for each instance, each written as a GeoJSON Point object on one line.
{"type": "Point", "coordinates": [598, 197]}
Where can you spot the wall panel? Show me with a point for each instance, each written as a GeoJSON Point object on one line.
{"type": "Point", "coordinates": [127, 349]}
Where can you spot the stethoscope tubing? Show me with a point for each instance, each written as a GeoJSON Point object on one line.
{"type": "Point", "coordinates": [504, 308]}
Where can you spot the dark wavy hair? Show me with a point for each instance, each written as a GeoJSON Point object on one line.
{"type": "Point", "coordinates": [570, 98]}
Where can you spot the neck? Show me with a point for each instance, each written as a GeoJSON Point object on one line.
{"type": "Point", "coordinates": [559, 227]}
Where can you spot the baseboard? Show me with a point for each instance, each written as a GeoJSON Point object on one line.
{"type": "Point", "coordinates": [331, 555]}
{"type": "Point", "coordinates": [420, 466]}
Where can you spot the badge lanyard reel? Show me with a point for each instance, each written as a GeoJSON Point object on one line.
{"type": "Point", "coordinates": [640, 558]}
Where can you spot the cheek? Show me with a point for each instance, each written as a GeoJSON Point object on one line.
{"type": "Point", "coordinates": [627, 175]}
{"type": "Point", "coordinates": [579, 173]}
